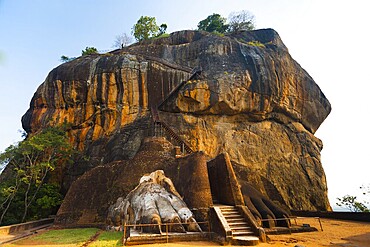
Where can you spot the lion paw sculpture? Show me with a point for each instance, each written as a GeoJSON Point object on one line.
{"type": "Point", "coordinates": [154, 201]}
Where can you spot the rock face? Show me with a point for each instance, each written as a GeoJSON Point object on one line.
{"type": "Point", "coordinates": [86, 206]}
{"type": "Point", "coordinates": [250, 100]}
{"type": "Point", "coordinates": [154, 201]}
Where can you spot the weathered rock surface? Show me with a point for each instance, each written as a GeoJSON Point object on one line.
{"type": "Point", "coordinates": [154, 201]}
{"type": "Point", "coordinates": [90, 196]}
{"type": "Point", "coordinates": [252, 101]}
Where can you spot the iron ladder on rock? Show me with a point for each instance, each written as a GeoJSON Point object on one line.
{"type": "Point", "coordinates": [159, 126]}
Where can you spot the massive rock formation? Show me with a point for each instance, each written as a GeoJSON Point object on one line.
{"type": "Point", "coordinates": [249, 99]}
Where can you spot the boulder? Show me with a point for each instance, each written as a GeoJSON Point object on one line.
{"type": "Point", "coordinates": [240, 94]}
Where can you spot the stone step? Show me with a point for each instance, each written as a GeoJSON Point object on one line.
{"type": "Point", "coordinates": [238, 224]}
{"type": "Point", "coordinates": [235, 220]}
{"type": "Point", "coordinates": [245, 240]}
{"type": "Point", "coordinates": [231, 213]}
{"type": "Point", "coordinates": [243, 233]}
{"type": "Point", "coordinates": [225, 208]}
{"type": "Point", "coordinates": [240, 228]}
{"type": "Point", "coordinates": [233, 216]}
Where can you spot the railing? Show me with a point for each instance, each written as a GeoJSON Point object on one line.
{"type": "Point", "coordinates": [248, 216]}
{"type": "Point", "coordinates": [295, 221]}
{"type": "Point", "coordinates": [170, 132]}
{"type": "Point", "coordinates": [226, 230]}
{"type": "Point", "coordinates": [126, 229]}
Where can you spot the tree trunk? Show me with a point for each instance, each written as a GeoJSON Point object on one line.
{"type": "Point", "coordinates": [26, 203]}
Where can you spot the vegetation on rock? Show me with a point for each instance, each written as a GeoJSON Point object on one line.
{"type": "Point", "coordinates": [241, 21]}
{"type": "Point", "coordinates": [89, 51]}
{"type": "Point", "coordinates": [213, 23]}
{"type": "Point", "coordinates": [237, 21]}
{"type": "Point", "coordinates": [122, 40]}
{"type": "Point", "coordinates": [146, 28]}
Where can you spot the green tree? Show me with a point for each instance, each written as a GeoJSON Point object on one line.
{"type": "Point", "coordinates": [351, 203]}
{"type": "Point", "coordinates": [65, 59]}
{"type": "Point", "coordinates": [162, 29]}
{"type": "Point", "coordinates": [242, 20]}
{"type": "Point", "coordinates": [89, 51]}
{"type": "Point", "coordinates": [145, 28]}
{"type": "Point", "coordinates": [30, 162]}
{"type": "Point", "coordinates": [213, 23]}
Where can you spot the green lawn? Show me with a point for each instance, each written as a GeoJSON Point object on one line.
{"type": "Point", "coordinates": [71, 238]}
{"type": "Point", "coordinates": [66, 236]}
{"type": "Point", "coordinates": [108, 239]}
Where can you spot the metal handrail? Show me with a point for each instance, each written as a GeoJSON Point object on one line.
{"type": "Point", "coordinates": [125, 226]}
{"type": "Point", "coordinates": [295, 220]}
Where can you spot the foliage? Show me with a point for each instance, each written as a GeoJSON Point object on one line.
{"type": "Point", "coordinates": [162, 29]}
{"type": "Point", "coordinates": [165, 35]}
{"type": "Point", "coordinates": [122, 40]}
{"type": "Point", "coordinates": [49, 197]}
{"type": "Point", "coordinates": [237, 21]}
{"type": "Point", "coordinates": [351, 203]}
{"type": "Point", "coordinates": [256, 43]}
{"type": "Point", "coordinates": [213, 23]}
{"type": "Point", "coordinates": [242, 20]}
{"type": "Point", "coordinates": [145, 28]}
{"type": "Point", "coordinates": [65, 59]}
{"type": "Point", "coordinates": [66, 236]}
{"type": "Point", "coordinates": [31, 161]}
{"type": "Point", "coordinates": [89, 51]}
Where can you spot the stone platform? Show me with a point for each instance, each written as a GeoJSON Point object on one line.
{"type": "Point", "coordinates": [137, 237]}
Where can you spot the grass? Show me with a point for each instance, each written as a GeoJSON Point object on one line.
{"type": "Point", "coordinates": [66, 236]}
{"type": "Point", "coordinates": [63, 237]}
{"type": "Point", "coordinates": [108, 239]}
{"type": "Point", "coordinates": [256, 43]}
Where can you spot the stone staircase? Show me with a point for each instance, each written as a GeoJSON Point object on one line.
{"type": "Point", "coordinates": [242, 233]}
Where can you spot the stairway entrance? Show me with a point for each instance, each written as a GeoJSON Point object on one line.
{"type": "Point", "coordinates": [220, 182]}
{"type": "Point", "coordinates": [233, 220]}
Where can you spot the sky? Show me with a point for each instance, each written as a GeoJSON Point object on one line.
{"type": "Point", "coordinates": [328, 38]}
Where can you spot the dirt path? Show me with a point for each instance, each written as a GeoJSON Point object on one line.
{"type": "Point", "coordinates": [92, 239]}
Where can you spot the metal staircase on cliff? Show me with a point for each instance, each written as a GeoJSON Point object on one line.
{"type": "Point", "coordinates": [234, 222]}
{"type": "Point", "coordinates": [160, 127]}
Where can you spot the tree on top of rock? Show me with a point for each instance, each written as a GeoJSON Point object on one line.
{"type": "Point", "coordinates": [145, 28]}
{"type": "Point", "coordinates": [122, 40]}
{"type": "Point", "coordinates": [240, 21]}
{"type": "Point", "coordinates": [89, 51]}
{"type": "Point", "coordinates": [213, 23]}
{"type": "Point", "coordinates": [162, 29]}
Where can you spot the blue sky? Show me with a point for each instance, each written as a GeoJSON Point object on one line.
{"type": "Point", "coordinates": [328, 38]}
